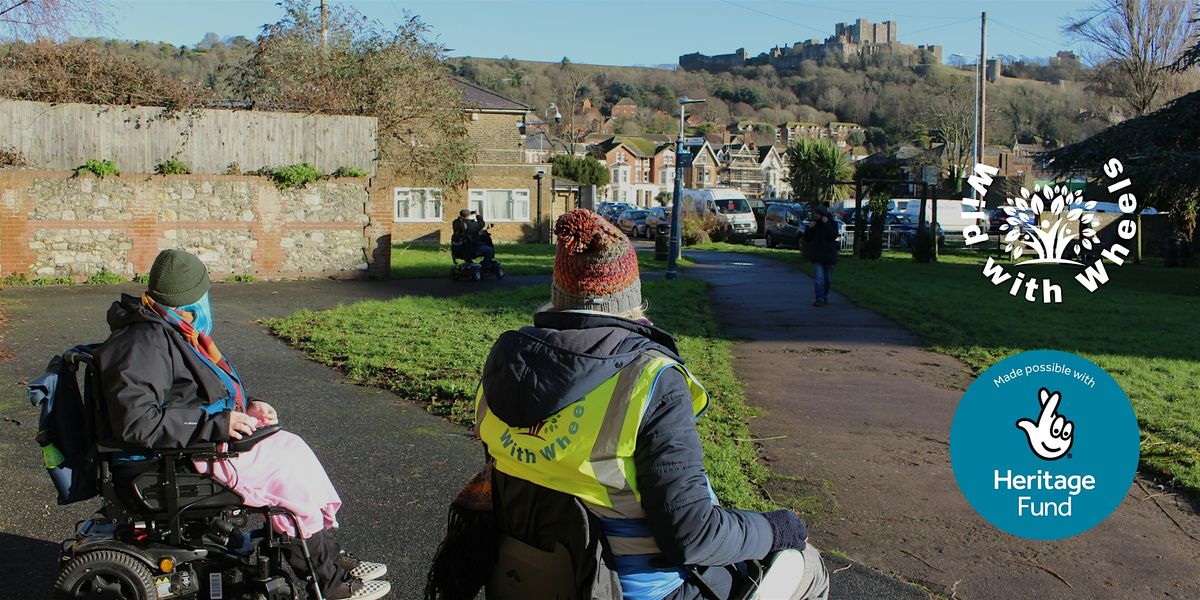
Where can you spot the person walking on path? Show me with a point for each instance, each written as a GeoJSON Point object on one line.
{"type": "Point", "coordinates": [611, 393]}
{"type": "Point", "coordinates": [822, 238]}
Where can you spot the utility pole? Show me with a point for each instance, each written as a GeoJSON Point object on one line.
{"type": "Point", "coordinates": [981, 109]}
{"type": "Point", "coordinates": [324, 26]}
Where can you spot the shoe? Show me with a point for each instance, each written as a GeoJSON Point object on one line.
{"type": "Point", "coordinates": [824, 301]}
{"type": "Point", "coordinates": [361, 569]}
{"type": "Point", "coordinates": [357, 589]}
{"type": "Point", "coordinates": [817, 303]}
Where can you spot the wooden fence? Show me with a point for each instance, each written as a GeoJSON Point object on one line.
{"type": "Point", "coordinates": [64, 136]}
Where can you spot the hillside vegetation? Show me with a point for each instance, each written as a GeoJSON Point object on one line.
{"type": "Point", "coordinates": [890, 98]}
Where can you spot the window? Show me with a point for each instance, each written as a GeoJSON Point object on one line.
{"type": "Point", "coordinates": [418, 204]}
{"type": "Point", "coordinates": [501, 205]}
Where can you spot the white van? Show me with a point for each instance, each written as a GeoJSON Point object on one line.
{"type": "Point", "coordinates": [727, 204]}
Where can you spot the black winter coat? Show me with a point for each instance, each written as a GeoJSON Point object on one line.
{"type": "Point", "coordinates": [154, 384]}
{"type": "Point", "coordinates": [822, 241]}
{"type": "Point", "coordinates": [535, 372]}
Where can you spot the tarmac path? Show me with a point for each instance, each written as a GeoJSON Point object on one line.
{"type": "Point", "coordinates": [855, 406]}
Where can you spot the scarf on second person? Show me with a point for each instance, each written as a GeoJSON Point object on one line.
{"type": "Point", "coordinates": [203, 346]}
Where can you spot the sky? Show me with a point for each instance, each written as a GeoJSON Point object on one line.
{"type": "Point", "coordinates": [649, 32]}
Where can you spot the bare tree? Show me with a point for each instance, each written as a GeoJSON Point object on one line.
{"type": "Point", "coordinates": [947, 117]}
{"type": "Point", "coordinates": [33, 19]}
{"type": "Point", "coordinates": [1135, 43]}
{"type": "Point", "coordinates": [569, 88]}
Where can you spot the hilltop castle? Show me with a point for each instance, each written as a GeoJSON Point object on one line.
{"type": "Point", "coordinates": [849, 41]}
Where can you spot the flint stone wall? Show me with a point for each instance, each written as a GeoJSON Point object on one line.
{"type": "Point", "coordinates": [56, 225]}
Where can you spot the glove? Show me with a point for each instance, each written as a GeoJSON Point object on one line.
{"type": "Point", "coordinates": [787, 530]}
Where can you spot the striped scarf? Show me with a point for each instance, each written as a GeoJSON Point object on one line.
{"type": "Point", "coordinates": [203, 346]}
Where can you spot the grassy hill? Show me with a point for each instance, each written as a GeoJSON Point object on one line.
{"type": "Point", "coordinates": [886, 96]}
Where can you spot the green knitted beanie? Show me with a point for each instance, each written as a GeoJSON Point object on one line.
{"type": "Point", "coordinates": [177, 278]}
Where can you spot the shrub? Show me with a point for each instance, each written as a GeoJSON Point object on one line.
{"type": "Point", "coordinates": [10, 157]}
{"type": "Point", "coordinates": [99, 168]}
{"type": "Point", "coordinates": [348, 172]}
{"type": "Point", "coordinates": [692, 232]}
{"type": "Point", "coordinates": [298, 175]}
{"type": "Point", "coordinates": [241, 278]}
{"type": "Point", "coordinates": [51, 281]}
{"type": "Point", "coordinates": [233, 169]}
{"type": "Point", "coordinates": [105, 277]}
{"type": "Point", "coordinates": [143, 278]}
{"type": "Point", "coordinates": [172, 167]}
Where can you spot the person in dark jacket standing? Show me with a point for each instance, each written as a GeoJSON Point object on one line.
{"type": "Point", "coordinates": [822, 238]}
{"type": "Point", "coordinates": [594, 401]}
{"type": "Point", "coordinates": [167, 385]}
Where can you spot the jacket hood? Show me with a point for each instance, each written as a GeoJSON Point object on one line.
{"type": "Point", "coordinates": [129, 310]}
{"type": "Point", "coordinates": [536, 371]}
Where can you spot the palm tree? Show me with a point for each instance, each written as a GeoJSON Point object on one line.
{"type": "Point", "coordinates": [814, 165]}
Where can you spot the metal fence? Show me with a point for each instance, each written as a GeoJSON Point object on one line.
{"type": "Point", "coordinates": [64, 136]}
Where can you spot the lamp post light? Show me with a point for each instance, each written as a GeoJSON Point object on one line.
{"type": "Point", "coordinates": [677, 201]}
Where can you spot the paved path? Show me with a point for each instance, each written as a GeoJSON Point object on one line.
{"type": "Point", "coordinates": [865, 411]}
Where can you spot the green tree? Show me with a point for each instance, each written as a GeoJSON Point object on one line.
{"type": "Point", "coordinates": [586, 170]}
{"type": "Point", "coordinates": [392, 73]}
{"type": "Point", "coordinates": [814, 165]}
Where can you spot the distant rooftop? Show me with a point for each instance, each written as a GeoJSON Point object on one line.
{"type": "Point", "coordinates": [478, 98]}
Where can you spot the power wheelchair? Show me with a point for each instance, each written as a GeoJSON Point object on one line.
{"type": "Point", "coordinates": [165, 531]}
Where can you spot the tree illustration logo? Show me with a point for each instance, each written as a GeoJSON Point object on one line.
{"type": "Point", "coordinates": [1049, 232]}
{"type": "Point", "coordinates": [1053, 225]}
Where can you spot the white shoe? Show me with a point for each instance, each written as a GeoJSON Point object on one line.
{"type": "Point", "coordinates": [370, 590]}
{"type": "Point", "coordinates": [364, 570]}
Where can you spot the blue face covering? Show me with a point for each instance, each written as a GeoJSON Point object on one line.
{"type": "Point", "coordinates": [201, 314]}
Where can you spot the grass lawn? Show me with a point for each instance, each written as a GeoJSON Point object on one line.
{"type": "Point", "coordinates": [428, 261]}
{"type": "Point", "coordinates": [432, 350]}
{"type": "Point", "coordinates": [1143, 327]}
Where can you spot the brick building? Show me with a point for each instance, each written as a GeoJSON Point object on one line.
{"type": "Point", "coordinates": [624, 108]}
{"type": "Point", "coordinates": [510, 193]}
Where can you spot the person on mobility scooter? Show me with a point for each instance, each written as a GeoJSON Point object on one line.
{"type": "Point", "coordinates": [185, 456]}
{"type": "Point", "coordinates": [472, 240]}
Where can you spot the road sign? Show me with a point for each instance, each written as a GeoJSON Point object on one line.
{"type": "Point", "coordinates": [685, 159]}
{"type": "Point", "coordinates": [693, 141]}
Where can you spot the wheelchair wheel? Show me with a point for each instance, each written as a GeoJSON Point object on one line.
{"type": "Point", "coordinates": [476, 274]}
{"type": "Point", "coordinates": [105, 574]}
{"type": "Point", "coordinates": [499, 272]}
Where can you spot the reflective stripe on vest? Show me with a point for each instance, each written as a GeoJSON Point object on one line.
{"type": "Point", "coordinates": [586, 448]}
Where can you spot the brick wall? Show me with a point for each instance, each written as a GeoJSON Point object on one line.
{"type": "Point", "coordinates": [496, 136]}
{"type": "Point", "coordinates": [518, 176]}
{"type": "Point", "coordinates": [52, 224]}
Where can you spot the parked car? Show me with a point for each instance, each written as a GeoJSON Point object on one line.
{"type": "Point", "coordinates": [903, 230]}
{"type": "Point", "coordinates": [658, 222]}
{"type": "Point", "coordinates": [725, 204]}
{"type": "Point", "coordinates": [760, 212]}
{"type": "Point", "coordinates": [633, 222]}
{"type": "Point", "coordinates": [785, 224]}
{"type": "Point", "coordinates": [612, 210]}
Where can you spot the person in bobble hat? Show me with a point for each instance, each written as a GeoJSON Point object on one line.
{"type": "Point", "coordinates": [594, 402]}
{"type": "Point", "coordinates": [167, 385]}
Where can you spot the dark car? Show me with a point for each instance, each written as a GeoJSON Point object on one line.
{"type": "Point", "coordinates": [658, 222]}
{"type": "Point", "coordinates": [784, 224]}
{"type": "Point", "coordinates": [633, 222]}
{"type": "Point", "coordinates": [902, 229]}
{"type": "Point", "coordinates": [760, 212]}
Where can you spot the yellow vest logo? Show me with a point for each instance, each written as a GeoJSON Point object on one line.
{"type": "Point", "coordinates": [550, 439]}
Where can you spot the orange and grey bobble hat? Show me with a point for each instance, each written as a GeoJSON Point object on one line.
{"type": "Point", "coordinates": [595, 266]}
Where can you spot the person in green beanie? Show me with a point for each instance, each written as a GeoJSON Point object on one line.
{"type": "Point", "coordinates": [166, 385]}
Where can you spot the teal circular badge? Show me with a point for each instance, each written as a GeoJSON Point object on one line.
{"type": "Point", "coordinates": [1044, 445]}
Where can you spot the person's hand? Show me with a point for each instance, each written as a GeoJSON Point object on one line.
{"type": "Point", "coordinates": [787, 530]}
{"type": "Point", "coordinates": [265, 413]}
{"type": "Point", "coordinates": [240, 424]}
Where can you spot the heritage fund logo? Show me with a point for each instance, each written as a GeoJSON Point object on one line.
{"type": "Point", "coordinates": [1050, 476]}
{"type": "Point", "coordinates": [1051, 225]}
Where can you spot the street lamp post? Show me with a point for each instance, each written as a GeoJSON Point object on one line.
{"type": "Point", "coordinates": [677, 201]}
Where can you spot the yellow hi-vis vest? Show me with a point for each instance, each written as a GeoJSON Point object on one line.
{"type": "Point", "coordinates": [586, 448]}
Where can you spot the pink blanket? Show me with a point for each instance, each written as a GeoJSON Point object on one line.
{"type": "Point", "coordinates": [282, 471]}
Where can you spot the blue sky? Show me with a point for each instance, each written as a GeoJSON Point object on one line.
{"type": "Point", "coordinates": [626, 33]}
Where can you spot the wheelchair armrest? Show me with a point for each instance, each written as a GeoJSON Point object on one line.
{"type": "Point", "coordinates": [260, 434]}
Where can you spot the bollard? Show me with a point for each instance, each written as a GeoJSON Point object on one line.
{"type": "Point", "coordinates": [662, 246]}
